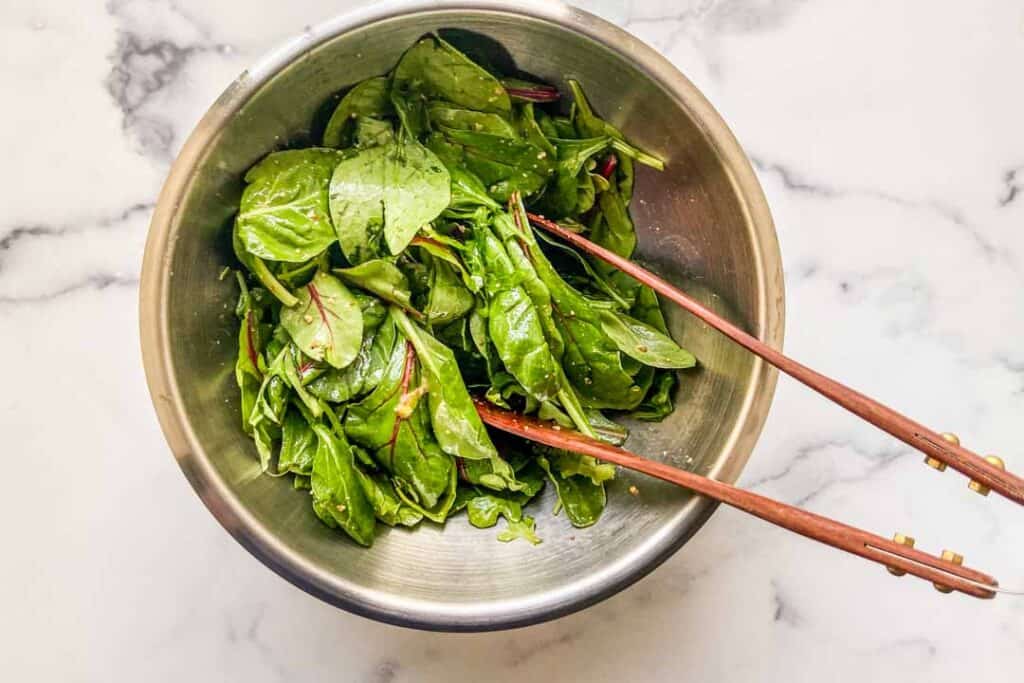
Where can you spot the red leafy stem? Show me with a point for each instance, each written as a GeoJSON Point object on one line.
{"type": "Point", "coordinates": [608, 165]}
{"type": "Point", "coordinates": [410, 362]}
{"type": "Point", "coordinates": [250, 344]}
{"type": "Point", "coordinates": [541, 93]}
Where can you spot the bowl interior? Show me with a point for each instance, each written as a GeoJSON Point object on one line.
{"type": "Point", "coordinates": [702, 224]}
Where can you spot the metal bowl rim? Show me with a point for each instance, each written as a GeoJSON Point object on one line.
{"type": "Point", "coordinates": [245, 527]}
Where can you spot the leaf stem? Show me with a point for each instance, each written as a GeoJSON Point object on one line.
{"type": "Point", "coordinates": [272, 284]}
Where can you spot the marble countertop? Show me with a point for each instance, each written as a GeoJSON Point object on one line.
{"type": "Point", "coordinates": [890, 142]}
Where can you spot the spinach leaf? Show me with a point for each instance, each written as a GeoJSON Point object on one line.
{"type": "Point", "coordinates": [338, 496]}
{"type": "Point", "coordinates": [591, 361]}
{"type": "Point", "coordinates": [468, 192]}
{"type": "Point", "coordinates": [284, 214]}
{"type": "Point", "coordinates": [371, 132]}
{"type": "Point", "coordinates": [643, 342]}
{"type": "Point", "coordinates": [442, 114]}
{"type": "Point", "coordinates": [257, 267]}
{"type": "Point", "coordinates": [504, 165]}
{"type": "Point", "coordinates": [327, 322]}
{"type": "Point", "coordinates": [582, 499]}
{"type": "Point", "coordinates": [658, 402]}
{"type": "Point", "coordinates": [513, 324]}
{"type": "Point", "coordinates": [381, 277]}
{"type": "Point", "coordinates": [437, 512]}
{"type": "Point", "coordinates": [562, 197]}
{"type": "Point", "coordinates": [387, 506]}
{"type": "Point", "coordinates": [383, 195]}
{"type": "Point", "coordinates": [434, 70]}
{"type": "Point", "coordinates": [369, 98]}
{"type": "Point", "coordinates": [447, 298]}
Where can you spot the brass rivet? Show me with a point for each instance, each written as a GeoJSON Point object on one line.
{"type": "Point", "coordinates": [938, 464]}
{"type": "Point", "coordinates": [902, 540]}
{"type": "Point", "coordinates": [977, 486]}
{"type": "Point", "coordinates": [955, 558]}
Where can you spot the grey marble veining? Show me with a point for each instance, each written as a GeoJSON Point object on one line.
{"type": "Point", "coordinates": [888, 139]}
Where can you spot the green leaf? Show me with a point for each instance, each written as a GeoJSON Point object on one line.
{"type": "Point", "coordinates": [363, 374]}
{"type": "Point", "coordinates": [387, 506]}
{"type": "Point", "coordinates": [284, 214]}
{"type": "Point", "coordinates": [468, 191]}
{"type": "Point", "coordinates": [644, 343]}
{"type": "Point", "coordinates": [591, 360]}
{"type": "Point", "coordinates": [443, 114]}
{"type": "Point", "coordinates": [298, 444]}
{"type": "Point", "coordinates": [504, 165]}
{"type": "Point", "coordinates": [447, 298]}
{"type": "Point", "coordinates": [513, 323]}
{"type": "Point", "coordinates": [524, 528]}
{"type": "Point", "coordinates": [457, 425]}
{"type": "Point", "coordinates": [392, 421]}
{"type": "Point", "coordinates": [370, 98]}
{"type": "Point", "coordinates": [338, 496]}
{"type": "Point", "coordinates": [381, 277]}
{"type": "Point", "coordinates": [260, 269]}
{"type": "Point", "coordinates": [582, 499]}
{"type": "Point", "coordinates": [658, 402]}
{"type": "Point", "coordinates": [327, 322]}
{"type": "Point", "coordinates": [439, 511]}
{"type": "Point", "coordinates": [561, 198]}
{"type": "Point", "coordinates": [383, 195]}
{"type": "Point", "coordinates": [434, 70]}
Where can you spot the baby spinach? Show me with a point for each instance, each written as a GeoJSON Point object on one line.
{"type": "Point", "coordinates": [338, 495]}
{"type": "Point", "coordinates": [284, 214]}
{"type": "Point", "coordinates": [381, 196]}
{"type": "Point", "coordinates": [368, 99]}
{"type": "Point", "coordinates": [381, 277]}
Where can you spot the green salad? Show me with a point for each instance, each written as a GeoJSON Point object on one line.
{"type": "Point", "coordinates": [392, 273]}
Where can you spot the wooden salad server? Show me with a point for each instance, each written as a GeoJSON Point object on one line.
{"type": "Point", "coordinates": [946, 572]}
{"type": "Point", "coordinates": [988, 473]}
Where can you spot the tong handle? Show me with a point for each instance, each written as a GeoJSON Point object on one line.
{"type": "Point", "coordinates": [985, 473]}
{"type": "Point", "coordinates": [945, 572]}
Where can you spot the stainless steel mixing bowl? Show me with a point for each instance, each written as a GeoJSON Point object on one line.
{"type": "Point", "coordinates": [703, 223]}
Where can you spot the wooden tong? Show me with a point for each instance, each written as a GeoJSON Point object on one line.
{"type": "Point", "coordinates": [940, 449]}
{"type": "Point", "coordinates": [898, 555]}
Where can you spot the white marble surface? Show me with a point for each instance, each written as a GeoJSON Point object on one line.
{"type": "Point", "coordinates": [890, 141]}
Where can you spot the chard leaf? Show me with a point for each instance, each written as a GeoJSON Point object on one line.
{"type": "Point", "coordinates": [457, 426]}
{"type": "Point", "coordinates": [298, 444]}
{"type": "Point", "coordinates": [381, 196]}
{"type": "Point", "coordinates": [284, 214]}
{"type": "Point", "coordinates": [327, 322]}
{"type": "Point", "coordinates": [392, 421]}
